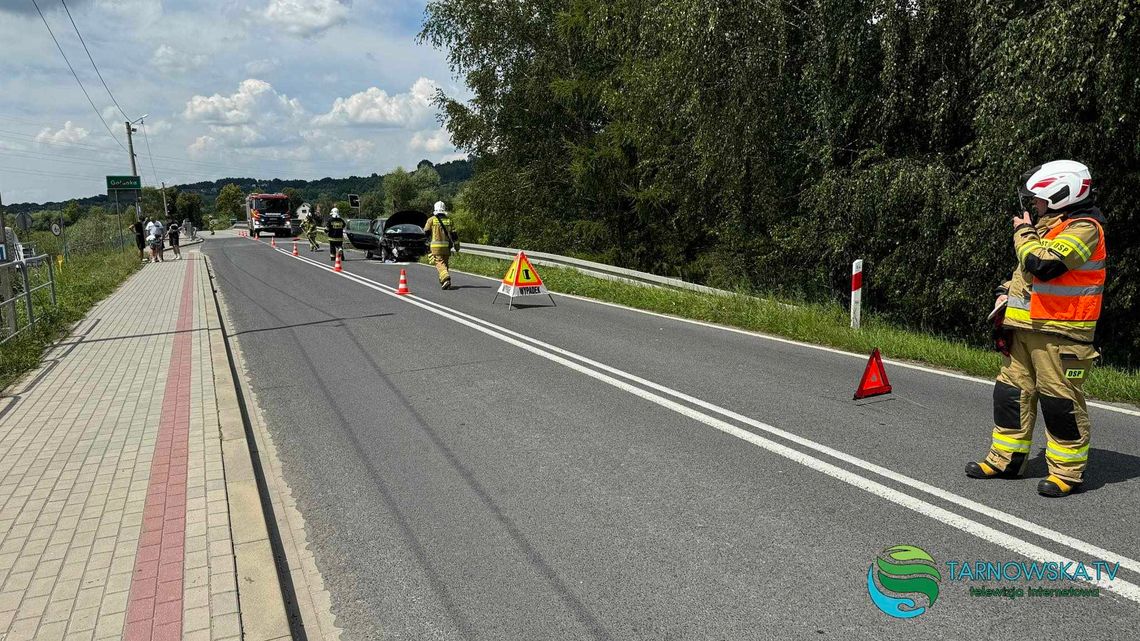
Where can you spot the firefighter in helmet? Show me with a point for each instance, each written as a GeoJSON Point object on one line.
{"type": "Point", "coordinates": [334, 229]}
{"type": "Point", "coordinates": [309, 226]}
{"type": "Point", "coordinates": [1047, 314]}
{"type": "Point", "coordinates": [443, 240]}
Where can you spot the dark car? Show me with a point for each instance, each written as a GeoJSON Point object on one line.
{"type": "Point", "coordinates": [399, 237]}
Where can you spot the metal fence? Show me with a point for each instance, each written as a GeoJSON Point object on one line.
{"type": "Point", "coordinates": [27, 288]}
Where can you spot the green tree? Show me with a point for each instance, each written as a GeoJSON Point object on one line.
{"type": "Point", "coordinates": [230, 202]}
{"type": "Point", "coordinates": [399, 188]}
{"type": "Point", "coordinates": [372, 204]}
{"type": "Point", "coordinates": [296, 199]}
{"type": "Point", "coordinates": [190, 207]}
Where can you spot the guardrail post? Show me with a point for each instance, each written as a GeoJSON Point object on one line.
{"type": "Point", "coordinates": [51, 279]}
{"type": "Point", "coordinates": [28, 294]}
{"type": "Point", "coordinates": [856, 293]}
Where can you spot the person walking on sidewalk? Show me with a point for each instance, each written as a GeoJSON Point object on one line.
{"type": "Point", "coordinates": [335, 231]}
{"type": "Point", "coordinates": [154, 235]}
{"type": "Point", "coordinates": [443, 240]}
{"type": "Point", "coordinates": [173, 233]}
{"type": "Point", "coordinates": [1050, 306]}
{"type": "Point", "coordinates": [139, 229]}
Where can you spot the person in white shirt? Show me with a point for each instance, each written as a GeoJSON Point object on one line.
{"type": "Point", "coordinates": [154, 236]}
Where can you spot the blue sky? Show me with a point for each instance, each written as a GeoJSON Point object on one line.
{"type": "Point", "coordinates": [265, 88]}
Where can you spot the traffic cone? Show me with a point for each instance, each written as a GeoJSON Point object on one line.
{"type": "Point", "coordinates": [336, 265]}
{"type": "Point", "coordinates": [295, 247]}
{"type": "Point", "coordinates": [403, 290]}
{"type": "Point", "coordinates": [273, 241]}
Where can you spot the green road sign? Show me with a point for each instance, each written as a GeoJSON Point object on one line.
{"type": "Point", "coordinates": [119, 183]}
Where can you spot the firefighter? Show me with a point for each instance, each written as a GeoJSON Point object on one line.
{"type": "Point", "coordinates": [309, 227]}
{"type": "Point", "coordinates": [1050, 307]}
{"type": "Point", "coordinates": [443, 240]}
{"type": "Point", "coordinates": [335, 231]}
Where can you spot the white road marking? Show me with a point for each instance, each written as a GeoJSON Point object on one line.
{"type": "Point", "coordinates": [1124, 588]}
{"type": "Point", "coordinates": [822, 348]}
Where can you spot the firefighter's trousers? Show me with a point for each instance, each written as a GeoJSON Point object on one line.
{"type": "Point", "coordinates": [439, 259]}
{"type": "Point", "coordinates": [1051, 370]}
{"type": "Point", "coordinates": [313, 244]}
{"type": "Point", "coordinates": [335, 247]}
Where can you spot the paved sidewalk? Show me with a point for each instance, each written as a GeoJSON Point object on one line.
{"type": "Point", "coordinates": [115, 517]}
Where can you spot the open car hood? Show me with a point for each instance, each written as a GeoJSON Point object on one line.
{"type": "Point", "coordinates": [408, 216]}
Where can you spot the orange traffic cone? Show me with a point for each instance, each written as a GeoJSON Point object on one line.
{"type": "Point", "coordinates": [403, 290]}
{"type": "Point", "coordinates": [336, 265]}
{"type": "Point", "coordinates": [295, 247]}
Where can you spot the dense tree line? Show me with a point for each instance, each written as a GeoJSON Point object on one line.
{"type": "Point", "coordinates": [751, 143]}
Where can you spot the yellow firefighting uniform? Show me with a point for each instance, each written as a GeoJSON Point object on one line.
{"type": "Point", "coordinates": [1054, 300]}
{"type": "Point", "coordinates": [438, 229]}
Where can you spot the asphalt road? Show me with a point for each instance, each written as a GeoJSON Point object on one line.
{"type": "Point", "coordinates": [607, 474]}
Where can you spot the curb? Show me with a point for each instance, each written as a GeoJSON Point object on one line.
{"type": "Point", "coordinates": [261, 598]}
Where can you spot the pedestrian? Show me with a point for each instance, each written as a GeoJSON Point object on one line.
{"type": "Point", "coordinates": [187, 229]}
{"type": "Point", "coordinates": [443, 240]}
{"type": "Point", "coordinates": [173, 232]}
{"type": "Point", "coordinates": [154, 234]}
{"type": "Point", "coordinates": [335, 231]}
{"type": "Point", "coordinates": [1047, 313]}
{"type": "Point", "coordinates": [139, 229]}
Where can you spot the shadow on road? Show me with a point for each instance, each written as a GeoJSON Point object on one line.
{"type": "Point", "coordinates": [337, 322]}
{"type": "Point", "coordinates": [1105, 468]}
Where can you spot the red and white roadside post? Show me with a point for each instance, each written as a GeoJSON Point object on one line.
{"type": "Point", "coordinates": [856, 292]}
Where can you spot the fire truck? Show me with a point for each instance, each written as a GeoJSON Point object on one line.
{"type": "Point", "coordinates": [269, 214]}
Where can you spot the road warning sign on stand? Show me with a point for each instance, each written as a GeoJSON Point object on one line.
{"type": "Point", "coordinates": [874, 380]}
{"type": "Point", "coordinates": [521, 280]}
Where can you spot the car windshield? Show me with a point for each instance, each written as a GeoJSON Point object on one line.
{"type": "Point", "coordinates": [406, 228]}
{"type": "Point", "coordinates": [271, 205]}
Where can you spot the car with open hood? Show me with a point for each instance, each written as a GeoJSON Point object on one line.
{"type": "Point", "coordinates": [399, 237]}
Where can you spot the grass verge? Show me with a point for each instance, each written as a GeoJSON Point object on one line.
{"type": "Point", "coordinates": [807, 322]}
{"type": "Point", "coordinates": [85, 280]}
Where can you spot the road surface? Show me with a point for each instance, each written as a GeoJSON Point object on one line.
{"type": "Point", "coordinates": [590, 472]}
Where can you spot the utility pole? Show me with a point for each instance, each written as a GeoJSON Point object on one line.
{"type": "Point", "coordinates": [134, 167]}
{"type": "Point", "coordinates": [131, 149]}
{"type": "Point", "coordinates": [165, 207]}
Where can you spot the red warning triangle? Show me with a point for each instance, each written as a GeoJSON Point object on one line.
{"type": "Point", "coordinates": [874, 380]}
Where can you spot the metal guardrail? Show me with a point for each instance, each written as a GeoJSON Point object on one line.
{"type": "Point", "coordinates": [10, 317]}
{"type": "Point", "coordinates": [599, 270]}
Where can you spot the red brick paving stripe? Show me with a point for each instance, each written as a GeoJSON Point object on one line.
{"type": "Point", "coordinates": [154, 608]}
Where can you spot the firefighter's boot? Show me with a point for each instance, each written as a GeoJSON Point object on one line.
{"type": "Point", "coordinates": [1057, 487]}
{"type": "Point", "coordinates": [985, 470]}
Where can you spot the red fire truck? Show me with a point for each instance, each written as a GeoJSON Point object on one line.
{"type": "Point", "coordinates": [269, 213]}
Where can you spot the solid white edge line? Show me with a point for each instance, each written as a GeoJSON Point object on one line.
{"type": "Point", "coordinates": [789, 341]}
{"type": "Point", "coordinates": [1012, 543]}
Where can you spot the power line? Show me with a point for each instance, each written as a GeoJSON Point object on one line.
{"type": "Point", "coordinates": [97, 72]}
{"type": "Point", "coordinates": [76, 76]}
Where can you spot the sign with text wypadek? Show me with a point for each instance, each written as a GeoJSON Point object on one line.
{"type": "Point", "coordinates": [521, 280]}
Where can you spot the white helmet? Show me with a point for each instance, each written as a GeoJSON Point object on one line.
{"type": "Point", "coordinates": [439, 208]}
{"type": "Point", "coordinates": [1060, 183]}
{"type": "Point", "coordinates": [335, 213]}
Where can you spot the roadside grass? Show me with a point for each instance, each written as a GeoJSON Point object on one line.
{"type": "Point", "coordinates": [84, 281]}
{"type": "Point", "coordinates": [820, 324]}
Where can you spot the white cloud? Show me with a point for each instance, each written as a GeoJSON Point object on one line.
{"type": "Point", "coordinates": [306, 18]}
{"type": "Point", "coordinates": [261, 66]}
{"type": "Point", "coordinates": [431, 141]}
{"type": "Point", "coordinates": [255, 100]}
{"type": "Point", "coordinates": [375, 107]}
{"type": "Point", "coordinates": [70, 133]}
{"type": "Point", "coordinates": [169, 60]}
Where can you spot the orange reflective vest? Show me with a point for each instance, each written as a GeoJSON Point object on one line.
{"type": "Point", "coordinates": [1075, 296]}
